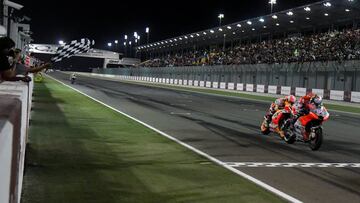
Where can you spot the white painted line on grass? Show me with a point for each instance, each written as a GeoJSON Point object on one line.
{"type": "Point", "coordinates": [213, 159]}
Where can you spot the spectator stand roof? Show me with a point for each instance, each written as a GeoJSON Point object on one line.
{"type": "Point", "coordinates": [318, 15]}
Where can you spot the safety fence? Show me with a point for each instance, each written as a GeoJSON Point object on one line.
{"type": "Point", "coordinates": [337, 95]}
{"type": "Point", "coordinates": [15, 106]}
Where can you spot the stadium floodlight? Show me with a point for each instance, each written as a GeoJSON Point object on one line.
{"type": "Point", "coordinates": [274, 17]}
{"type": "Point", "coordinates": [147, 30]}
{"type": "Point", "coordinates": [307, 18]}
{"type": "Point", "coordinates": [116, 41]}
{"type": "Point", "coordinates": [326, 14]}
{"type": "Point", "coordinates": [220, 29]}
{"type": "Point", "coordinates": [204, 33]}
{"type": "Point", "coordinates": [136, 41]}
{"type": "Point", "coordinates": [185, 37]}
{"type": "Point", "coordinates": [229, 27]}
{"type": "Point", "coordinates": [272, 3]}
{"type": "Point", "coordinates": [234, 33]}
{"type": "Point", "coordinates": [253, 29]}
{"type": "Point", "coordinates": [171, 41]}
{"type": "Point", "coordinates": [264, 27]}
{"type": "Point", "coordinates": [238, 25]}
{"type": "Point", "coordinates": [262, 20]}
{"type": "Point", "coordinates": [290, 13]}
{"type": "Point", "coordinates": [130, 43]}
{"type": "Point", "coordinates": [61, 42]}
{"type": "Point", "coordinates": [109, 44]}
{"type": "Point", "coordinates": [212, 31]}
{"type": "Point", "coordinates": [175, 40]}
{"type": "Point", "coordinates": [243, 31]}
{"type": "Point", "coordinates": [277, 24]}
{"type": "Point", "coordinates": [192, 36]}
{"type": "Point", "coordinates": [197, 34]}
{"type": "Point", "coordinates": [220, 16]}
{"type": "Point", "coordinates": [327, 4]}
{"type": "Point", "coordinates": [291, 21]}
{"type": "Point", "coordinates": [307, 9]}
{"type": "Point", "coordinates": [180, 38]}
{"type": "Point", "coordinates": [249, 22]}
{"type": "Point", "coordinates": [125, 37]}
{"type": "Point", "coordinates": [347, 10]}
{"type": "Point", "coordinates": [124, 43]}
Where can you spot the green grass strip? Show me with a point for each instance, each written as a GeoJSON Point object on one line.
{"type": "Point", "coordinates": [81, 151]}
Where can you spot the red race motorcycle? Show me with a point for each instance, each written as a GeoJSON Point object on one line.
{"type": "Point", "coordinates": [308, 128]}
{"type": "Point", "coordinates": [278, 121]}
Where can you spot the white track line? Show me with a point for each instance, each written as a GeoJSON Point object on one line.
{"type": "Point", "coordinates": [291, 165]}
{"type": "Point", "coordinates": [244, 175]}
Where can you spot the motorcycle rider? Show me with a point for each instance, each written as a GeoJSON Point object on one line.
{"type": "Point", "coordinates": [279, 104]}
{"type": "Point", "coordinates": [303, 107]}
{"type": "Point", "coordinates": [73, 77]}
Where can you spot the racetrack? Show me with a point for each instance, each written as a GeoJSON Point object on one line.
{"type": "Point", "coordinates": [227, 128]}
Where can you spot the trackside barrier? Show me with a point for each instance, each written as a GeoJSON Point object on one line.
{"type": "Point", "coordinates": [260, 88]}
{"type": "Point", "coordinates": [285, 90]}
{"type": "Point", "coordinates": [215, 85]}
{"type": "Point", "coordinates": [355, 97]}
{"type": "Point", "coordinates": [15, 107]}
{"type": "Point", "coordinates": [240, 87]}
{"type": "Point", "coordinates": [270, 89]}
{"type": "Point", "coordinates": [223, 85]}
{"type": "Point", "coordinates": [231, 86]}
{"type": "Point", "coordinates": [337, 95]}
{"type": "Point", "coordinates": [249, 87]}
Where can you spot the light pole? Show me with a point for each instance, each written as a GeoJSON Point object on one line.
{"type": "Point", "coordinates": [125, 43]}
{"type": "Point", "coordinates": [109, 45]}
{"type": "Point", "coordinates": [272, 3]}
{"type": "Point", "coordinates": [147, 30]}
{"type": "Point", "coordinates": [130, 49]}
{"type": "Point", "coordinates": [221, 16]}
{"type": "Point", "coordinates": [116, 44]}
{"type": "Point", "coordinates": [61, 42]}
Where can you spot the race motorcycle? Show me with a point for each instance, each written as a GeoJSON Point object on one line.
{"type": "Point", "coordinates": [277, 122]}
{"type": "Point", "coordinates": [308, 128]}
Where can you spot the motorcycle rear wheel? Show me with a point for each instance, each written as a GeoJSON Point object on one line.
{"type": "Point", "coordinates": [290, 139]}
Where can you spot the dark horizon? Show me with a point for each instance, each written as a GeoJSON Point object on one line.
{"type": "Point", "coordinates": [110, 21]}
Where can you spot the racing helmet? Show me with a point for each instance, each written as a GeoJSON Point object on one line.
{"type": "Point", "coordinates": [317, 100]}
{"type": "Point", "coordinates": [291, 99]}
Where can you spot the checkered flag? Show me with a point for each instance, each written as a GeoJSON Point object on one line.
{"type": "Point", "coordinates": [70, 49]}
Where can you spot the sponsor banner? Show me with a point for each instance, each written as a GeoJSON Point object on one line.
{"type": "Point", "coordinates": [272, 89]}
{"type": "Point", "coordinates": [196, 83]}
{"type": "Point", "coordinates": [190, 83]}
{"type": "Point", "coordinates": [208, 84]}
{"type": "Point", "coordinates": [285, 90]}
{"type": "Point", "coordinates": [180, 82]}
{"type": "Point", "coordinates": [240, 87]}
{"type": "Point", "coordinates": [167, 80]}
{"type": "Point", "coordinates": [157, 80]}
{"type": "Point", "coordinates": [185, 82]}
{"type": "Point", "coordinates": [355, 97]}
{"type": "Point", "coordinates": [171, 81]}
{"type": "Point", "coordinates": [176, 81]}
{"type": "Point", "coordinates": [231, 86]}
{"type": "Point", "coordinates": [337, 95]}
{"type": "Point", "coordinates": [319, 92]}
{"type": "Point", "coordinates": [300, 91]}
{"type": "Point", "coordinates": [215, 85]}
{"type": "Point", "coordinates": [249, 87]}
{"type": "Point", "coordinates": [223, 85]}
{"type": "Point", "coordinates": [260, 88]}
{"type": "Point", "coordinates": [202, 83]}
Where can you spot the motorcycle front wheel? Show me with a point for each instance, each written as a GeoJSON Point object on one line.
{"type": "Point", "coordinates": [264, 130]}
{"type": "Point", "coordinates": [316, 141]}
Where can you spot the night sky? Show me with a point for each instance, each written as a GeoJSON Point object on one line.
{"type": "Point", "coordinates": [108, 20]}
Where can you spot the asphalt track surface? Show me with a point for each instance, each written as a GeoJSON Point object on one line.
{"type": "Point", "coordinates": [228, 129]}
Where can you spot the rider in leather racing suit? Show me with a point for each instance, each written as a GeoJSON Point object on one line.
{"type": "Point", "coordinates": [278, 104]}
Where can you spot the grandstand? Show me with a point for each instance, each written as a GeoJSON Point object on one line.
{"type": "Point", "coordinates": [307, 20]}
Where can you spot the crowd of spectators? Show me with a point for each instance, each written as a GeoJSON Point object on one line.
{"type": "Point", "coordinates": [329, 46]}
